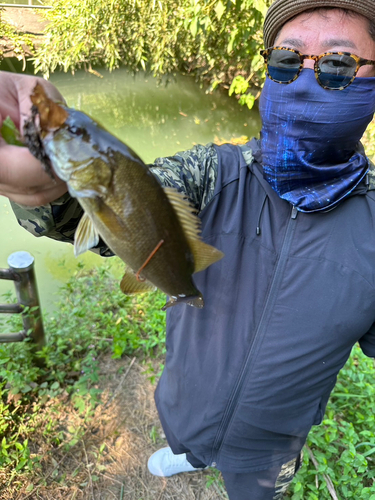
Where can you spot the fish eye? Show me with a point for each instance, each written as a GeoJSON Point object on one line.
{"type": "Point", "coordinates": [75, 130]}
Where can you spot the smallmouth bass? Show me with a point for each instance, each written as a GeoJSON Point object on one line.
{"type": "Point", "coordinates": [151, 228]}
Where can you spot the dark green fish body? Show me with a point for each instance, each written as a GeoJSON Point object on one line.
{"type": "Point", "coordinates": [149, 227]}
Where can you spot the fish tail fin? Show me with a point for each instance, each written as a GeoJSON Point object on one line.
{"type": "Point", "coordinates": [191, 300]}
{"type": "Point", "coordinates": [204, 254]}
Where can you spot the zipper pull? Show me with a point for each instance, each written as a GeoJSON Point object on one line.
{"type": "Point", "coordinates": [294, 212]}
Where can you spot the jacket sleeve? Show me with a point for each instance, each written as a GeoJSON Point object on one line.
{"type": "Point", "coordinates": [192, 172]}
{"type": "Point", "coordinates": [367, 342]}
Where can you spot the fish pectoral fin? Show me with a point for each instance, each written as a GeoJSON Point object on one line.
{"type": "Point", "coordinates": [204, 254]}
{"type": "Point", "coordinates": [86, 236]}
{"type": "Point", "coordinates": [130, 284]}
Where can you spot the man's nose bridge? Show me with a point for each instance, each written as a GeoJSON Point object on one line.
{"type": "Point", "coordinates": [309, 61]}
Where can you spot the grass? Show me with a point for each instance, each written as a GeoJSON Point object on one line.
{"type": "Point", "coordinates": [343, 447]}
{"type": "Point", "coordinates": [94, 319]}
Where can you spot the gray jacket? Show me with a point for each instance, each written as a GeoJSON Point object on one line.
{"type": "Point", "coordinates": [246, 377]}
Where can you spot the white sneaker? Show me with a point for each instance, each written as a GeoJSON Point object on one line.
{"type": "Point", "coordinates": [165, 464]}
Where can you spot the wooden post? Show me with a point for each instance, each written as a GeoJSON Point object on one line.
{"type": "Point", "coordinates": [21, 272]}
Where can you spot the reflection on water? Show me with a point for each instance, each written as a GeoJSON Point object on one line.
{"type": "Point", "coordinates": [154, 119]}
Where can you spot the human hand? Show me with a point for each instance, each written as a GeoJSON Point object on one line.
{"type": "Point", "coordinates": [22, 177]}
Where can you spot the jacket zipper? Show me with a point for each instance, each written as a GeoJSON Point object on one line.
{"type": "Point", "coordinates": [246, 370]}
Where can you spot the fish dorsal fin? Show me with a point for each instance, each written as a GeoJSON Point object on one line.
{"type": "Point", "coordinates": [86, 236]}
{"type": "Point", "coordinates": [129, 284]}
{"type": "Point", "coordinates": [204, 255]}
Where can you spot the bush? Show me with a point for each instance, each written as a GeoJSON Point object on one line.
{"type": "Point", "coordinates": [343, 446]}
{"type": "Point", "coordinates": [217, 40]}
{"type": "Point", "coordinates": [19, 44]}
{"type": "Point", "coordinates": [369, 141]}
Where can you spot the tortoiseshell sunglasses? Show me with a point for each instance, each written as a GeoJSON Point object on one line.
{"type": "Point", "coordinates": [333, 70]}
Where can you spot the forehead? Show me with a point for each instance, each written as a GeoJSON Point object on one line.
{"type": "Point", "coordinates": [328, 29]}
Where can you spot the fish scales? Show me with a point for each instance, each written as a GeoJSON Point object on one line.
{"type": "Point", "coordinates": [137, 197]}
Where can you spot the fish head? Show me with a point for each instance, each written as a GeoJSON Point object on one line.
{"type": "Point", "coordinates": [68, 139]}
{"type": "Point", "coordinates": [77, 158]}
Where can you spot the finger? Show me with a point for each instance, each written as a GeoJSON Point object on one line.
{"type": "Point", "coordinates": [36, 199]}
{"type": "Point", "coordinates": [15, 91]}
{"type": "Point", "coordinates": [18, 167]}
{"type": "Point", "coordinates": [25, 87]}
{"type": "Point", "coordinates": [8, 97]}
{"type": "Point", "coordinates": [27, 190]}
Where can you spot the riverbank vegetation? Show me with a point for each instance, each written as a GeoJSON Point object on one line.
{"type": "Point", "coordinates": [14, 43]}
{"type": "Point", "coordinates": [93, 318]}
{"type": "Point", "coordinates": [217, 41]}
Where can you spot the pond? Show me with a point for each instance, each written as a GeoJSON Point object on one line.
{"type": "Point", "coordinates": [153, 118]}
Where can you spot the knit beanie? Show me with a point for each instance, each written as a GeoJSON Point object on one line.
{"type": "Point", "coordinates": [282, 10]}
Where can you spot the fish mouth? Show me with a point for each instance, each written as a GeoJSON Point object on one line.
{"type": "Point", "coordinates": [46, 116]}
{"type": "Point", "coordinates": [33, 140]}
{"type": "Point", "coordinates": [191, 300]}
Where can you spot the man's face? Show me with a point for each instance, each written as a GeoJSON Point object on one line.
{"type": "Point", "coordinates": [329, 31]}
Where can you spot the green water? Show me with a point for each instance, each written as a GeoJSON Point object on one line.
{"type": "Point", "coordinates": [155, 119]}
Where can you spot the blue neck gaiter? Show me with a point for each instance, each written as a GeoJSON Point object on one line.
{"type": "Point", "coordinates": [310, 139]}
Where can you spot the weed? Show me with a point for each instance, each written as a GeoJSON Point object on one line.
{"type": "Point", "coordinates": [91, 311]}
{"type": "Point", "coordinates": [343, 447]}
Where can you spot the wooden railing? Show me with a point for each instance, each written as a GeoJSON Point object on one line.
{"type": "Point", "coordinates": [21, 272]}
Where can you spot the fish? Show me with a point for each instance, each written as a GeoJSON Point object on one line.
{"type": "Point", "coordinates": [151, 228]}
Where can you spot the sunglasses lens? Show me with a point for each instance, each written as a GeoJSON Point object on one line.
{"type": "Point", "coordinates": [336, 71]}
{"type": "Point", "coordinates": [283, 65]}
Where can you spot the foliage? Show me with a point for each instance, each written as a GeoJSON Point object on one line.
{"type": "Point", "coordinates": [10, 133]}
{"type": "Point", "coordinates": [92, 315]}
{"type": "Point", "coordinates": [217, 40]}
{"type": "Point", "coordinates": [19, 44]}
{"type": "Point", "coordinates": [344, 445]}
{"type": "Point", "coordinates": [369, 141]}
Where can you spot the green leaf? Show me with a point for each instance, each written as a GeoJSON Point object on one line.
{"type": "Point", "coordinates": [10, 133]}
{"type": "Point", "coordinates": [194, 27]}
{"type": "Point", "coordinates": [247, 99]}
{"type": "Point", "coordinates": [219, 9]}
{"type": "Point", "coordinates": [21, 464]}
{"type": "Point", "coordinates": [239, 85]}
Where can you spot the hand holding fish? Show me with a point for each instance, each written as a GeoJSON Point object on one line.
{"type": "Point", "coordinates": [22, 178]}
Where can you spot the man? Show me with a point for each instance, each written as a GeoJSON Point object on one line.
{"type": "Point", "coordinates": [246, 377]}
